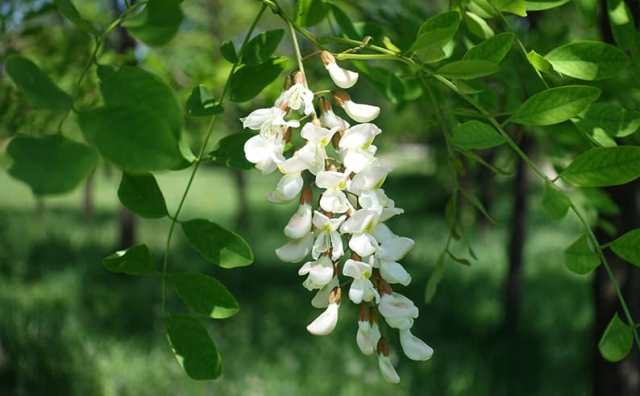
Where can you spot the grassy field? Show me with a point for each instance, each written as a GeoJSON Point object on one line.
{"type": "Point", "coordinates": [68, 327]}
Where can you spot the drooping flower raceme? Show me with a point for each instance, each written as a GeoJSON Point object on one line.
{"type": "Point", "coordinates": [341, 235]}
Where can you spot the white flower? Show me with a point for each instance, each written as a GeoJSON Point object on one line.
{"type": "Point", "coordinates": [378, 201]}
{"type": "Point", "coordinates": [361, 225]}
{"type": "Point", "coordinates": [270, 121]}
{"type": "Point", "coordinates": [321, 299]}
{"type": "Point", "coordinates": [297, 97]}
{"type": "Point", "coordinates": [313, 153]}
{"type": "Point", "coordinates": [333, 199]}
{"type": "Point", "coordinates": [398, 310]}
{"type": "Point", "coordinates": [386, 368]}
{"type": "Point", "coordinates": [362, 288]}
{"type": "Point", "coordinates": [393, 272]}
{"type": "Point", "coordinates": [367, 336]}
{"type": "Point", "coordinates": [319, 273]}
{"type": "Point", "coordinates": [356, 148]}
{"type": "Point", "coordinates": [413, 347]}
{"type": "Point", "coordinates": [266, 153]}
{"type": "Point", "coordinates": [300, 223]}
{"type": "Point", "coordinates": [331, 120]}
{"type": "Point", "coordinates": [295, 250]}
{"type": "Point", "coordinates": [358, 112]}
{"type": "Point", "coordinates": [369, 179]}
{"type": "Point", "coordinates": [327, 236]}
{"type": "Point", "coordinates": [287, 189]}
{"type": "Point", "coordinates": [392, 247]}
{"type": "Point", "coordinates": [341, 77]}
{"type": "Point", "coordinates": [326, 322]}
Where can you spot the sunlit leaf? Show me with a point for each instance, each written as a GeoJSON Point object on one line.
{"type": "Point", "coordinates": [36, 85]}
{"type": "Point", "coordinates": [193, 348]}
{"type": "Point", "coordinates": [539, 62]}
{"type": "Point", "coordinates": [616, 341]}
{"type": "Point", "coordinates": [627, 247]}
{"type": "Point", "coordinates": [311, 12]}
{"type": "Point", "coordinates": [555, 203]}
{"type": "Point", "coordinates": [587, 60]}
{"type": "Point", "coordinates": [260, 48]}
{"type": "Point", "coordinates": [141, 194]}
{"type": "Point", "coordinates": [202, 103]}
{"type": "Point", "coordinates": [622, 24]}
{"type": "Point", "coordinates": [539, 5]}
{"type": "Point", "coordinates": [205, 295]}
{"type": "Point", "coordinates": [248, 81]}
{"type": "Point", "coordinates": [228, 51]}
{"type": "Point", "coordinates": [517, 7]}
{"type": "Point", "coordinates": [610, 118]}
{"type": "Point", "coordinates": [604, 166]}
{"type": "Point", "coordinates": [581, 257]}
{"type": "Point", "coordinates": [476, 135]}
{"type": "Point", "coordinates": [468, 69]}
{"type": "Point", "coordinates": [555, 105]}
{"type": "Point", "coordinates": [434, 33]}
{"type": "Point", "coordinates": [478, 26]}
{"type": "Point", "coordinates": [158, 23]}
{"type": "Point", "coordinates": [492, 50]}
{"type": "Point", "coordinates": [217, 244]}
{"type": "Point", "coordinates": [136, 260]}
{"type": "Point", "coordinates": [69, 11]}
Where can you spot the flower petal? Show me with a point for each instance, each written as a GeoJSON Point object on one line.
{"type": "Point", "coordinates": [361, 112]}
{"type": "Point", "coordinates": [393, 272]}
{"type": "Point", "coordinates": [413, 347]}
{"type": "Point", "coordinates": [367, 336]}
{"type": "Point", "coordinates": [343, 78]}
{"type": "Point", "coordinates": [287, 189]}
{"type": "Point", "coordinates": [300, 223]}
{"type": "Point", "coordinates": [296, 250]}
{"type": "Point", "coordinates": [388, 371]}
{"type": "Point", "coordinates": [326, 322]}
{"type": "Point", "coordinates": [363, 244]}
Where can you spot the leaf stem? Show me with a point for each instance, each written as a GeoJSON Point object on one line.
{"type": "Point", "coordinates": [198, 160]}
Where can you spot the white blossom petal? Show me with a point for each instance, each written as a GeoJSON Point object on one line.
{"type": "Point", "coordinates": [331, 180]}
{"type": "Point", "coordinates": [326, 322]}
{"type": "Point", "coordinates": [369, 179]}
{"type": "Point", "coordinates": [396, 305]}
{"type": "Point", "coordinates": [361, 112]}
{"type": "Point", "coordinates": [367, 336]}
{"type": "Point", "coordinates": [343, 78]}
{"type": "Point", "coordinates": [361, 221]}
{"type": "Point", "coordinates": [319, 273]}
{"type": "Point", "coordinates": [393, 272]}
{"type": "Point", "coordinates": [287, 189]}
{"type": "Point", "coordinates": [296, 250]}
{"type": "Point", "coordinates": [359, 136]}
{"type": "Point", "coordinates": [334, 201]}
{"type": "Point", "coordinates": [330, 120]}
{"type": "Point", "coordinates": [363, 244]}
{"type": "Point", "coordinates": [413, 347]}
{"type": "Point", "coordinates": [300, 223]}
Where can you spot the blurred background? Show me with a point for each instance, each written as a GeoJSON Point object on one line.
{"type": "Point", "coordinates": [513, 322]}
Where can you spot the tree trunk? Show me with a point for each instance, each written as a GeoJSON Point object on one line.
{"type": "Point", "coordinates": [518, 235]}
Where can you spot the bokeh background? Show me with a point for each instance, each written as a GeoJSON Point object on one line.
{"type": "Point", "coordinates": [69, 327]}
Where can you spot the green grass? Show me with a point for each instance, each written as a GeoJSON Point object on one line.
{"type": "Point", "coordinates": [69, 327]}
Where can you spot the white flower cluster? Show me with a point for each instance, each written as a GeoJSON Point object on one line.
{"type": "Point", "coordinates": [352, 206]}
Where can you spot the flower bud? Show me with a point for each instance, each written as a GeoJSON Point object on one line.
{"type": "Point", "coordinates": [367, 336]}
{"type": "Point", "coordinates": [413, 347]}
{"type": "Point", "coordinates": [288, 187]}
{"type": "Point", "coordinates": [358, 112]}
{"type": "Point", "coordinates": [295, 250]}
{"type": "Point", "coordinates": [384, 363]}
{"type": "Point", "coordinates": [343, 78]}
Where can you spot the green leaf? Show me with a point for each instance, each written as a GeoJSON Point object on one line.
{"type": "Point", "coordinates": [492, 50]}
{"type": "Point", "coordinates": [435, 278]}
{"type": "Point", "coordinates": [261, 47]}
{"type": "Point", "coordinates": [622, 24]}
{"type": "Point", "coordinates": [476, 135]}
{"type": "Point", "coordinates": [627, 247]}
{"type": "Point", "coordinates": [539, 62]}
{"type": "Point", "coordinates": [248, 81]}
{"type": "Point", "coordinates": [135, 139]}
{"type": "Point", "coordinates": [134, 87]}
{"type": "Point", "coordinates": [36, 85]}
{"type": "Point", "coordinates": [202, 103]}
{"type": "Point", "coordinates": [193, 348]}
{"type": "Point", "coordinates": [69, 11]}
{"type": "Point", "coordinates": [555, 105]}
{"type": "Point", "coordinates": [141, 194]}
{"type": "Point", "coordinates": [604, 166]}
{"type": "Point", "coordinates": [616, 341]}
{"type": "Point", "coordinates": [311, 12]}
{"type": "Point", "coordinates": [230, 151]}
{"type": "Point", "coordinates": [517, 7]}
{"type": "Point", "coordinates": [344, 21]}
{"type": "Point", "coordinates": [555, 203]}
{"type": "Point", "coordinates": [581, 256]}
{"type": "Point", "coordinates": [435, 32]}
{"type": "Point", "coordinates": [218, 245]}
{"type": "Point", "coordinates": [205, 295]}
{"type": "Point", "coordinates": [136, 260]}
{"type": "Point", "coordinates": [228, 51]}
{"type": "Point", "coordinates": [468, 69]}
{"type": "Point", "coordinates": [158, 23]}
{"type": "Point", "coordinates": [610, 118]}
{"type": "Point", "coordinates": [539, 5]}
{"type": "Point", "coordinates": [51, 164]}
{"type": "Point", "coordinates": [478, 26]}
{"type": "Point", "coordinates": [587, 60]}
